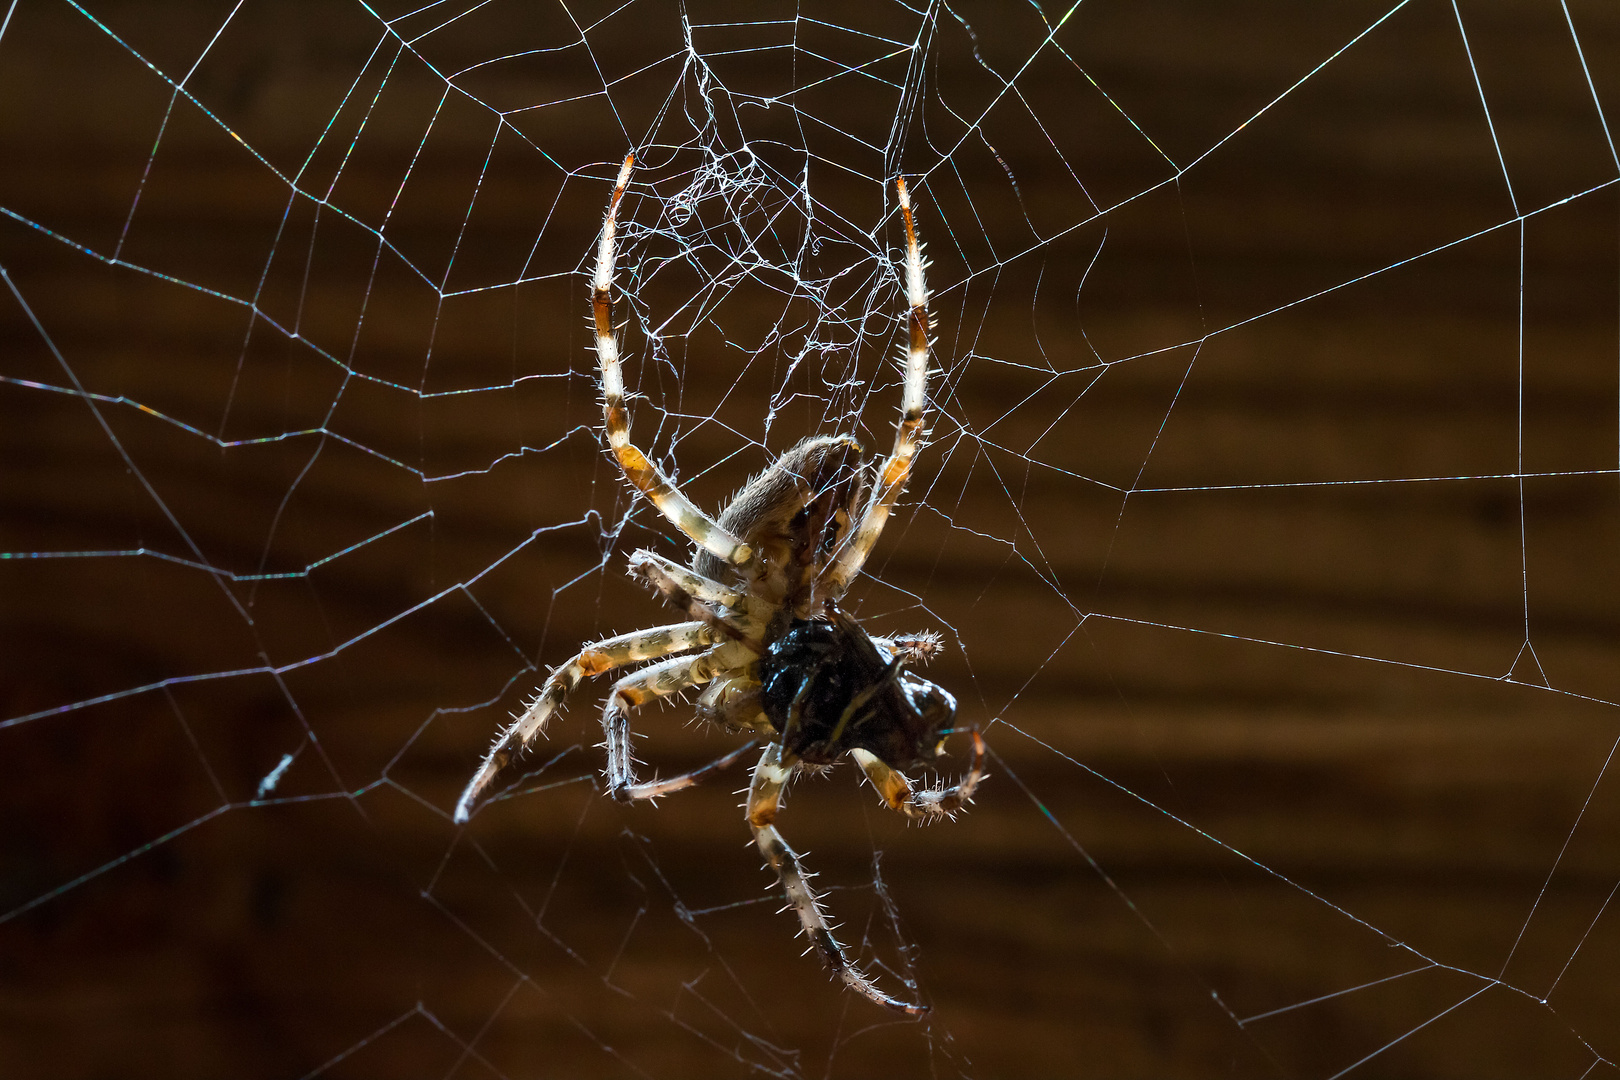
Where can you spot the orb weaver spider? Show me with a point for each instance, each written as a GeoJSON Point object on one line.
{"type": "Point", "coordinates": [765, 636]}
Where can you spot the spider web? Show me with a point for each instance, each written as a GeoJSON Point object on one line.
{"type": "Point", "coordinates": [1269, 514]}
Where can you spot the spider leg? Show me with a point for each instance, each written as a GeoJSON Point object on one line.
{"type": "Point", "coordinates": [764, 798]}
{"type": "Point", "coordinates": [918, 648]}
{"type": "Point", "coordinates": [658, 569]}
{"type": "Point", "coordinates": [649, 478]}
{"type": "Point", "coordinates": [908, 433]}
{"type": "Point", "coordinates": [930, 805]}
{"type": "Point", "coordinates": [733, 701]}
{"type": "Point", "coordinates": [654, 789]}
{"type": "Point", "coordinates": [614, 652]}
{"type": "Point", "coordinates": [651, 682]}
{"type": "Point", "coordinates": [730, 612]}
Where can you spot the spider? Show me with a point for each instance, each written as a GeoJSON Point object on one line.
{"type": "Point", "coordinates": [766, 638]}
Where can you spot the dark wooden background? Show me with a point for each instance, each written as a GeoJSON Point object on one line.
{"type": "Point", "coordinates": [1263, 731]}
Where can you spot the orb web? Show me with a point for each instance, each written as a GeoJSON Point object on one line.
{"type": "Point", "coordinates": [1267, 513]}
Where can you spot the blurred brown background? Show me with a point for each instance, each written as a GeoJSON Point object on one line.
{"type": "Point", "coordinates": [1325, 702]}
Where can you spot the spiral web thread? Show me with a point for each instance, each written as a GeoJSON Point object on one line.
{"type": "Point", "coordinates": [383, 292]}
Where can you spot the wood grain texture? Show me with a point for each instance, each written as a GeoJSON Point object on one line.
{"type": "Point", "coordinates": [1261, 731]}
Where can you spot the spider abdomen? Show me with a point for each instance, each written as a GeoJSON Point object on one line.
{"type": "Point", "coordinates": [827, 689]}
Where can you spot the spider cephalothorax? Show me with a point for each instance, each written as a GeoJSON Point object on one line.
{"type": "Point", "coordinates": [766, 640]}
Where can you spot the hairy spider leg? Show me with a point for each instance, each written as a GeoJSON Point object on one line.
{"type": "Point", "coordinates": [651, 565]}
{"type": "Point", "coordinates": [654, 789]}
{"type": "Point", "coordinates": [652, 682]}
{"type": "Point", "coordinates": [896, 468]}
{"type": "Point", "coordinates": [649, 478]}
{"type": "Point", "coordinates": [730, 612]}
{"type": "Point", "coordinates": [929, 805]}
{"type": "Point", "coordinates": [733, 700]}
{"type": "Point", "coordinates": [764, 799]}
{"type": "Point", "coordinates": [918, 648]}
{"type": "Point", "coordinates": [614, 652]}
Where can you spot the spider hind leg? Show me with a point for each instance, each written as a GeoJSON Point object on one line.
{"type": "Point", "coordinates": [764, 798]}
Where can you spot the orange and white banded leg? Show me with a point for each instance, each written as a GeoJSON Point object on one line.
{"type": "Point", "coordinates": [896, 469]}
{"type": "Point", "coordinates": [764, 799]}
{"type": "Point", "coordinates": [929, 804]}
{"type": "Point", "coordinates": [647, 477]}
{"type": "Point", "coordinates": [614, 652]}
{"type": "Point", "coordinates": [652, 682]}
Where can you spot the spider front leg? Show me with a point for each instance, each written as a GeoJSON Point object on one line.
{"type": "Point", "coordinates": [896, 469]}
{"type": "Point", "coordinates": [899, 796]}
{"type": "Point", "coordinates": [652, 682]}
{"type": "Point", "coordinates": [615, 652]}
{"type": "Point", "coordinates": [647, 477]}
{"type": "Point", "coordinates": [764, 799]}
